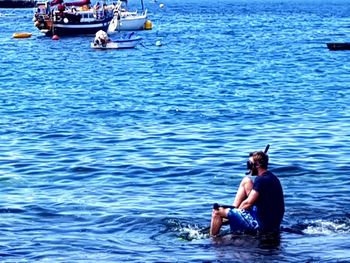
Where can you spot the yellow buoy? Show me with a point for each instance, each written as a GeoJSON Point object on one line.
{"type": "Point", "coordinates": [22, 35]}
{"type": "Point", "coordinates": [148, 25]}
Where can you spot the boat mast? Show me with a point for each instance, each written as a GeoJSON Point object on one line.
{"type": "Point", "coordinates": [143, 6]}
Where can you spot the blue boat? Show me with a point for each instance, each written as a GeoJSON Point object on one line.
{"type": "Point", "coordinates": [123, 42]}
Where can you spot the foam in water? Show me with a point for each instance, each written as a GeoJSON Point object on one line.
{"type": "Point", "coordinates": [328, 227]}
{"type": "Point", "coordinates": [193, 232]}
{"type": "Point", "coordinates": [187, 231]}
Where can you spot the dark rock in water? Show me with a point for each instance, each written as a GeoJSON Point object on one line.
{"type": "Point", "coordinates": [17, 3]}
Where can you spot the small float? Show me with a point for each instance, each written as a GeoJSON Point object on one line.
{"type": "Point", "coordinates": [338, 46]}
{"type": "Point", "coordinates": [102, 41]}
{"type": "Point", "coordinates": [21, 35]}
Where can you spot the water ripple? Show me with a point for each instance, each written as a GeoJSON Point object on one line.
{"type": "Point", "coordinates": [119, 156]}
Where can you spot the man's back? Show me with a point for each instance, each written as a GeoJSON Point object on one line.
{"type": "Point", "coordinates": [270, 203]}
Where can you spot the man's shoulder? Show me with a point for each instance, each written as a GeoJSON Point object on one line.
{"type": "Point", "coordinates": [265, 178]}
{"type": "Point", "coordinates": [269, 173]}
{"type": "Point", "coordinates": [269, 176]}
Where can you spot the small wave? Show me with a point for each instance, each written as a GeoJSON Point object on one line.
{"type": "Point", "coordinates": [11, 210]}
{"type": "Point", "coordinates": [288, 171]}
{"type": "Point", "coordinates": [193, 232]}
{"type": "Point", "coordinates": [323, 227]}
{"type": "Point", "coordinates": [84, 169]}
{"type": "Point", "coordinates": [186, 231]}
{"type": "Point", "coordinates": [338, 226]}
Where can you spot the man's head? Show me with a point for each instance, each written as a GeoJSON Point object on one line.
{"type": "Point", "coordinates": [257, 160]}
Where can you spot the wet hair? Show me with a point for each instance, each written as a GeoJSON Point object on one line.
{"type": "Point", "coordinates": [261, 158]}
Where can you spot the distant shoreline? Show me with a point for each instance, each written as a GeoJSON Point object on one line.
{"type": "Point", "coordinates": [17, 3]}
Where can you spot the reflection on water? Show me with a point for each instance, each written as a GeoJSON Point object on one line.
{"type": "Point", "coordinates": [245, 247]}
{"type": "Point", "coordinates": [263, 241]}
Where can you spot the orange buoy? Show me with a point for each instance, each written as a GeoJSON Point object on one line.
{"type": "Point", "coordinates": [22, 35]}
{"type": "Point", "coordinates": [55, 37]}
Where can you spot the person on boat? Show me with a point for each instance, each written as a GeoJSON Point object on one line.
{"type": "Point", "coordinates": [97, 6]}
{"type": "Point", "coordinates": [101, 38]}
{"type": "Point", "coordinates": [258, 206]}
{"type": "Point", "coordinates": [60, 14]}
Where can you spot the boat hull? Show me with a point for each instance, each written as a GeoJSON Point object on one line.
{"type": "Point", "coordinates": [119, 44]}
{"type": "Point", "coordinates": [77, 29]}
{"type": "Point", "coordinates": [127, 24]}
{"type": "Point", "coordinates": [338, 46]}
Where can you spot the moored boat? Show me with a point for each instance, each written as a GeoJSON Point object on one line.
{"type": "Point", "coordinates": [102, 41]}
{"type": "Point", "coordinates": [75, 18]}
{"type": "Point", "coordinates": [338, 46]}
{"type": "Point", "coordinates": [126, 20]}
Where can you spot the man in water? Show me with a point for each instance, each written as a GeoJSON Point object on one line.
{"type": "Point", "coordinates": [259, 206]}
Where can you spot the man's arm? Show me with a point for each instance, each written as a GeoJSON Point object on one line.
{"type": "Point", "coordinates": [247, 203]}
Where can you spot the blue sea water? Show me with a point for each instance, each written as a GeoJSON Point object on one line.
{"type": "Point", "coordinates": [118, 156]}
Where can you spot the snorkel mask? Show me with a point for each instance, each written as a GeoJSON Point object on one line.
{"type": "Point", "coordinates": [251, 166]}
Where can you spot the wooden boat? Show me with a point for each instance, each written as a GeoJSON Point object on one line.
{"type": "Point", "coordinates": [338, 46]}
{"type": "Point", "coordinates": [58, 18]}
{"type": "Point", "coordinates": [125, 20]}
{"type": "Point", "coordinates": [124, 42]}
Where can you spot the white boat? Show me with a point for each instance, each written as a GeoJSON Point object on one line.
{"type": "Point", "coordinates": [124, 42]}
{"type": "Point", "coordinates": [125, 20]}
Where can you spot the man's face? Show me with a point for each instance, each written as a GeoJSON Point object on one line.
{"type": "Point", "coordinates": [253, 170]}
